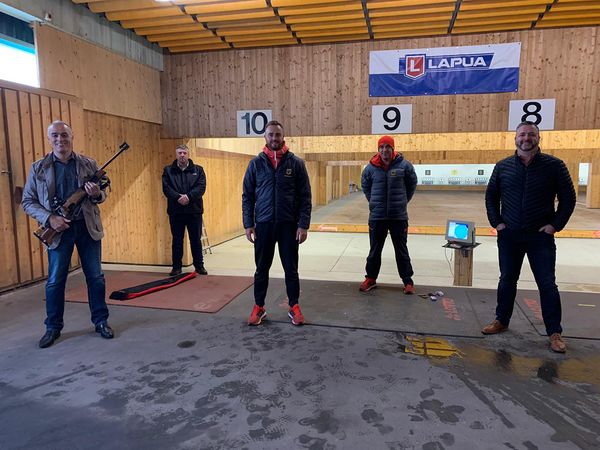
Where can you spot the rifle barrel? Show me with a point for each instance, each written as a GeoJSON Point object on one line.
{"type": "Point", "coordinates": [124, 146]}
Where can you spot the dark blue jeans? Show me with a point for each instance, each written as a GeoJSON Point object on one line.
{"type": "Point", "coordinates": [90, 253]}
{"type": "Point", "coordinates": [540, 249]}
{"type": "Point", "coordinates": [378, 231]}
{"type": "Point", "coordinates": [193, 223]}
{"type": "Point", "coordinates": [267, 235]}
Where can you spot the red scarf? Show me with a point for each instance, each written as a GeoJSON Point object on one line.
{"type": "Point", "coordinates": [275, 157]}
{"type": "Point", "coordinates": [378, 162]}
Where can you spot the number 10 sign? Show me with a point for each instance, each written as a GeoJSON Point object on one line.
{"type": "Point", "coordinates": [252, 123]}
{"type": "Point", "coordinates": [391, 119]}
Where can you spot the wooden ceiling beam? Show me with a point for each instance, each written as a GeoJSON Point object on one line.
{"type": "Point", "coordinates": [166, 21]}
{"type": "Point", "coordinates": [257, 37]}
{"type": "Point", "coordinates": [124, 5]}
{"type": "Point", "coordinates": [179, 36]}
{"type": "Point", "coordinates": [392, 19]}
{"type": "Point", "coordinates": [225, 7]}
{"type": "Point", "coordinates": [200, 48]}
{"type": "Point", "coordinates": [332, 32]}
{"type": "Point", "coordinates": [149, 13]}
{"type": "Point", "coordinates": [492, 28]}
{"type": "Point", "coordinates": [430, 9]}
{"type": "Point", "coordinates": [326, 25]}
{"type": "Point", "coordinates": [568, 23]}
{"type": "Point", "coordinates": [250, 31]}
{"type": "Point", "coordinates": [247, 44]}
{"type": "Point", "coordinates": [245, 15]}
{"type": "Point", "coordinates": [188, 42]}
{"type": "Point", "coordinates": [285, 3]}
{"type": "Point", "coordinates": [404, 34]}
{"type": "Point", "coordinates": [378, 29]}
{"type": "Point", "coordinates": [310, 18]}
{"type": "Point", "coordinates": [329, 8]}
{"type": "Point", "coordinates": [331, 39]}
{"type": "Point", "coordinates": [169, 29]}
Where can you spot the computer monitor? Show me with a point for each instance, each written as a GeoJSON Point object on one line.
{"type": "Point", "coordinates": [460, 232]}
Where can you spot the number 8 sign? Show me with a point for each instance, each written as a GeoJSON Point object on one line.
{"type": "Point", "coordinates": [391, 119]}
{"type": "Point", "coordinates": [540, 112]}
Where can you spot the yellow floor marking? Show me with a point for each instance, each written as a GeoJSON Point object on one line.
{"type": "Point", "coordinates": [430, 347]}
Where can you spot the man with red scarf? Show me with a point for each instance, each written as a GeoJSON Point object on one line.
{"type": "Point", "coordinates": [389, 182]}
{"type": "Point", "coordinates": [276, 207]}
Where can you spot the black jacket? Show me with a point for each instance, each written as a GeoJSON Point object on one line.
{"type": "Point", "coordinates": [389, 192]}
{"type": "Point", "coordinates": [523, 196]}
{"type": "Point", "coordinates": [191, 181]}
{"type": "Point", "coordinates": [281, 195]}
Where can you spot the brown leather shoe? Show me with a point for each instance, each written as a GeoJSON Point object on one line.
{"type": "Point", "coordinates": [494, 328]}
{"type": "Point", "coordinates": [557, 344]}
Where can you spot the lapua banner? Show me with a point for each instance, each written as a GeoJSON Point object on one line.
{"type": "Point", "coordinates": [474, 69]}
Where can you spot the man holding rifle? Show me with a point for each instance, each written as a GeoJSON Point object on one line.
{"type": "Point", "coordinates": [58, 176]}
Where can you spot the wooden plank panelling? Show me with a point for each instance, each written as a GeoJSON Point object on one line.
{"type": "Point", "coordinates": [25, 114]}
{"type": "Point", "coordinates": [105, 81]}
{"type": "Point", "coordinates": [135, 226]}
{"type": "Point", "coordinates": [323, 89]}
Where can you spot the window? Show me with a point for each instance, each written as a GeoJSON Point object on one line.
{"type": "Point", "coordinates": [17, 51]}
{"type": "Point", "coordinates": [480, 172]}
{"type": "Point", "coordinates": [427, 172]}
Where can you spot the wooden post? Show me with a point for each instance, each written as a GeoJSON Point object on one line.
{"type": "Point", "coordinates": [573, 168]}
{"type": "Point", "coordinates": [463, 267]}
{"type": "Point", "coordinates": [592, 198]}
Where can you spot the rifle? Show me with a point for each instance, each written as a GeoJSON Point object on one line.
{"type": "Point", "coordinates": [68, 207]}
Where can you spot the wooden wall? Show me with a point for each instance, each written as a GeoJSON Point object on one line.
{"type": "Point", "coordinates": [104, 81]}
{"type": "Point", "coordinates": [323, 89]}
{"type": "Point", "coordinates": [223, 199]}
{"type": "Point", "coordinates": [134, 215]}
{"type": "Point", "coordinates": [24, 117]}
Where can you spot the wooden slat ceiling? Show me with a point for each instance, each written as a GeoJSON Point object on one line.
{"type": "Point", "coordinates": [203, 25]}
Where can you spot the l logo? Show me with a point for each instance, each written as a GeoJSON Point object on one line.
{"type": "Point", "coordinates": [415, 66]}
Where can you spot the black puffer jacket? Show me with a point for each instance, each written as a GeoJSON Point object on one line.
{"type": "Point", "coordinates": [389, 192]}
{"type": "Point", "coordinates": [523, 196]}
{"type": "Point", "coordinates": [281, 195]}
{"type": "Point", "coordinates": [191, 181]}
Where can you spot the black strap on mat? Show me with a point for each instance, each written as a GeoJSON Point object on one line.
{"type": "Point", "coordinates": [153, 286]}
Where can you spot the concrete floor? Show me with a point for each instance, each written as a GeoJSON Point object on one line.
{"type": "Point", "coordinates": [182, 380]}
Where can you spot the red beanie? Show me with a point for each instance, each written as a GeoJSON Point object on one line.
{"type": "Point", "coordinates": [386, 140]}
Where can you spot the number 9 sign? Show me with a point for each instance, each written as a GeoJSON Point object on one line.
{"type": "Point", "coordinates": [391, 119]}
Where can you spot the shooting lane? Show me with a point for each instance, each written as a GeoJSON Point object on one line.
{"type": "Point", "coordinates": [348, 378]}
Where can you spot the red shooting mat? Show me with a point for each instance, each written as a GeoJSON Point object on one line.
{"type": "Point", "coordinates": [205, 293]}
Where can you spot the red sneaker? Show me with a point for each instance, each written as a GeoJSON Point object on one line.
{"type": "Point", "coordinates": [368, 284]}
{"type": "Point", "coordinates": [258, 314]}
{"type": "Point", "coordinates": [296, 315]}
{"type": "Point", "coordinates": [409, 289]}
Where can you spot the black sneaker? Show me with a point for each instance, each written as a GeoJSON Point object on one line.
{"type": "Point", "coordinates": [175, 272]}
{"type": "Point", "coordinates": [201, 270]}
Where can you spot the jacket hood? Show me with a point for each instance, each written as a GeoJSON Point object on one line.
{"type": "Point", "coordinates": [275, 156]}
{"type": "Point", "coordinates": [378, 162]}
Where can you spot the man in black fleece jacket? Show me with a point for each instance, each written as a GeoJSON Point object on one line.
{"type": "Point", "coordinates": [184, 184]}
{"type": "Point", "coordinates": [520, 203]}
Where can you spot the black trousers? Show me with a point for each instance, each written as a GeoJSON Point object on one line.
{"type": "Point", "coordinates": [540, 249]}
{"type": "Point", "coordinates": [284, 234]}
{"type": "Point", "coordinates": [378, 230]}
{"type": "Point", "coordinates": [193, 223]}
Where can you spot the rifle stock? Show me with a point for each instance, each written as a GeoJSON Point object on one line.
{"type": "Point", "coordinates": [67, 208]}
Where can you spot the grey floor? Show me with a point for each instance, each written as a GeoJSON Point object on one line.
{"type": "Point", "coordinates": [346, 380]}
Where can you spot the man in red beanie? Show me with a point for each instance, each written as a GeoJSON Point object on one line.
{"type": "Point", "coordinates": [389, 181]}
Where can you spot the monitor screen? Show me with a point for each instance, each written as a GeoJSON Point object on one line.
{"type": "Point", "coordinates": [460, 231]}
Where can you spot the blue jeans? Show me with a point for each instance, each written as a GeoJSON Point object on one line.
{"type": "Point", "coordinates": [90, 253]}
{"type": "Point", "coordinates": [540, 249]}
